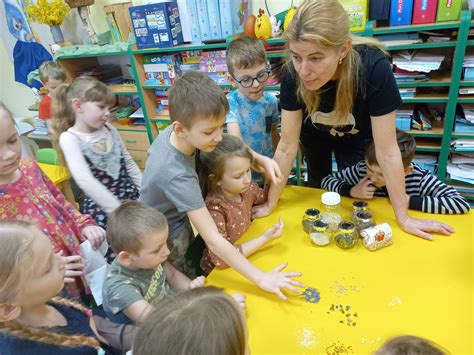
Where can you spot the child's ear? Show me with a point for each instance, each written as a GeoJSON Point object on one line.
{"type": "Point", "coordinates": [76, 104]}
{"type": "Point", "coordinates": [124, 258]}
{"type": "Point", "coordinates": [178, 128]}
{"type": "Point", "coordinates": [9, 312]}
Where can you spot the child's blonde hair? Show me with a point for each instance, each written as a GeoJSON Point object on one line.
{"type": "Point", "coordinates": [212, 164]}
{"type": "Point", "coordinates": [84, 88]}
{"type": "Point", "coordinates": [15, 265]}
{"type": "Point", "coordinates": [410, 345]}
{"type": "Point", "coordinates": [201, 321]}
{"type": "Point", "coordinates": [130, 223]}
{"type": "Point", "coordinates": [244, 53]}
{"type": "Point", "coordinates": [326, 23]}
{"type": "Point", "coordinates": [195, 95]}
{"type": "Point", "coordinates": [51, 70]}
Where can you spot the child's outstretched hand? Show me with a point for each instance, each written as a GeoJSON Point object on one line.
{"type": "Point", "coordinates": [197, 282]}
{"type": "Point", "coordinates": [95, 235]}
{"type": "Point", "coordinates": [240, 299]}
{"type": "Point", "coordinates": [364, 190]}
{"type": "Point", "coordinates": [274, 280]}
{"type": "Point", "coordinates": [73, 267]}
{"type": "Point", "coordinates": [274, 231]}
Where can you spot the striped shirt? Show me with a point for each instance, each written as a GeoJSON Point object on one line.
{"type": "Point", "coordinates": [427, 193]}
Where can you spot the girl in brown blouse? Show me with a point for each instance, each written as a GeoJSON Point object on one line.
{"type": "Point", "coordinates": [230, 195]}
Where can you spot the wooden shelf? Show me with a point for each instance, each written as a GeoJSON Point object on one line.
{"type": "Point", "coordinates": [133, 128]}
{"type": "Point", "coordinates": [124, 89]}
{"type": "Point", "coordinates": [39, 138]}
{"type": "Point", "coordinates": [91, 55]}
{"type": "Point", "coordinates": [436, 79]}
{"type": "Point", "coordinates": [181, 47]}
{"type": "Point", "coordinates": [466, 99]}
{"type": "Point", "coordinates": [427, 98]}
{"type": "Point", "coordinates": [414, 28]}
{"type": "Point", "coordinates": [462, 135]}
{"type": "Point", "coordinates": [428, 146]}
{"type": "Point", "coordinates": [33, 107]}
{"type": "Point", "coordinates": [424, 45]}
{"type": "Point", "coordinates": [436, 131]}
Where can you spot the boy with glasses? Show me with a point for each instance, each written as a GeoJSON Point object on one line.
{"type": "Point", "coordinates": [253, 114]}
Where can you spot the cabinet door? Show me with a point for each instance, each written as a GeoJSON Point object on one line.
{"type": "Point", "coordinates": [139, 156]}
{"type": "Point", "coordinates": [135, 140]}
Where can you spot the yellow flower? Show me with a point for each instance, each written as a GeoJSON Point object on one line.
{"type": "Point", "coordinates": [48, 12]}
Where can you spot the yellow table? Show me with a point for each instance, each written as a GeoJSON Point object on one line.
{"type": "Point", "coordinates": [415, 286]}
{"type": "Point", "coordinates": [60, 176]}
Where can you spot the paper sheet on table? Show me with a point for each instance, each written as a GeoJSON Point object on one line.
{"type": "Point", "coordinates": [95, 268]}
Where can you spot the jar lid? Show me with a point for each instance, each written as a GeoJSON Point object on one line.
{"type": "Point", "coordinates": [360, 204]}
{"type": "Point", "coordinates": [312, 212]}
{"type": "Point", "coordinates": [345, 225]}
{"type": "Point", "coordinates": [330, 198]}
{"type": "Point", "coordinates": [320, 226]}
{"type": "Point", "coordinates": [364, 215]}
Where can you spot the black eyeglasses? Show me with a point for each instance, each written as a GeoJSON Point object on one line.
{"type": "Point", "coordinates": [247, 81]}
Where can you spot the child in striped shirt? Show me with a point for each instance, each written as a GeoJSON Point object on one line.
{"type": "Point", "coordinates": [424, 191]}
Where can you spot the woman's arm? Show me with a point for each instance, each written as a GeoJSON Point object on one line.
{"type": "Point", "coordinates": [271, 281]}
{"type": "Point", "coordinates": [390, 161]}
{"type": "Point", "coordinates": [285, 156]}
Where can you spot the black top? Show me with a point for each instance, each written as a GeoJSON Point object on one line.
{"type": "Point", "coordinates": [77, 324]}
{"type": "Point", "coordinates": [377, 95]}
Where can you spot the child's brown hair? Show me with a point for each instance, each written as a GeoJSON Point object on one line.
{"type": "Point", "coordinates": [212, 164]}
{"type": "Point", "coordinates": [244, 53]}
{"type": "Point", "coordinates": [51, 70]}
{"type": "Point", "coordinates": [410, 345]}
{"type": "Point", "coordinates": [195, 95]}
{"type": "Point", "coordinates": [201, 321]}
{"type": "Point", "coordinates": [131, 222]}
{"type": "Point", "coordinates": [15, 264]}
{"type": "Point", "coordinates": [405, 142]}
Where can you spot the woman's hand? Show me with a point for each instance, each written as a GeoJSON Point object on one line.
{"type": "Point", "coordinates": [95, 235]}
{"type": "Point", "coordinates": [270, 167]}
{"type": "Point", "coordinates": [423, 227]}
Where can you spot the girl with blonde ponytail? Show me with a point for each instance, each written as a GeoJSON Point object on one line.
{"type": "Point", "coordinates": [92, 148]}
{"type": "Point", "coordinates": [337, 95]}
{"type": "Point", "coordinates": [32, 320]}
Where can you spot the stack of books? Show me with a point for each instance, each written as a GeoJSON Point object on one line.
{"type": "Point", "coordinates": [40, 127]}
{"type": "Point", "coordinates": [406, 76]}
{"type": "Point", "coordinates": [427, 162]}
{"type": "Point", "coordinates": [463, 145]}
{"type": "Point", "coordinates": [213, 63]}
{"type": "Point", "coordinates": [464, 119]}
{"type": "Point", "coordinates": [417, 61]}
{"type": "Point", "coordinates": [161, 69]}
{"type": "Point", "coordinates": [407, 93]}
{"type": "Point", "coordinates": [403, 117]}
{"type": "Point", "coordinates": [461, 168]}
{"type": "Point", "coordinates": [468, 67]}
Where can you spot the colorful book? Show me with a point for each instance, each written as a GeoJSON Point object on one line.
{"type": "Point", "coordinates": [214, 19]}
{"type": "Point", "coordinates": [400, 12]}
{"type": "Point", "coordinates": [203, 17]}
{"type": "Point", "coordinates": [379, 10]}
{"type": "Point", "coordinates": [357, 10]}
{"type": "Point", "coordinates": [232, 16]}
{"type": "Point", "coordinates": [424, 11]}
{"type": "Point", "coordinates": [448, 10]}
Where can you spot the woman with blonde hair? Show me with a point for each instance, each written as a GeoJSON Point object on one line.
{"type": "Point", "coordinates": [337, 95]}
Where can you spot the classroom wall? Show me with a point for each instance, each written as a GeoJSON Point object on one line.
{"type": "Point", "coordinates": [18, 96]}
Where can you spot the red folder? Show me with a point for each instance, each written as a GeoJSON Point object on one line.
{"type": "Point", "coordinates": [424, 11]}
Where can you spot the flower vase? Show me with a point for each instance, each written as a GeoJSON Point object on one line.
{"type": "Point", "coordinates": [57, 33]}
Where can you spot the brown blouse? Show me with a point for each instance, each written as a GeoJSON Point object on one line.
{"type": "Point", "coordinates": [232, 219]}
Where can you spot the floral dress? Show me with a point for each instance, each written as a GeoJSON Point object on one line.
{"type": "Point", "coordinates": [34, 198]}
{"type": "Point", "coordinates": [110, 170]}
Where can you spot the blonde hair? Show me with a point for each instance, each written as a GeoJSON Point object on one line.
{"type": "Point", "coordinates": [196, 95]}
{"type": "Point", "coordinates": [130, 223]}
{"type": "Point", "coordinates": [326, 23]}
{"type": "Point", "coordinates": [212, 164]}
{"type": "Point", "coordinates": [15, 265]}
{"type": "Point", "coordinates": [201, 321]}
{"type": "Point", "coordinates": [244, 53]}
{"type": "Point", "coordinates": [84, 88]}
{"type": "Point", "coordinates": [410, 345]}
{"type": "Point", "coordinates": [51, 70]}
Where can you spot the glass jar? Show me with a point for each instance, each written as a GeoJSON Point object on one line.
{"type": "Point", "coordinates": [311, 215]}
{"type": "Point", "coordinates": [331, 209]}
{"type": "Point", "coordinates": [346, 235]}
{"type": "Point", "coordinates": [363, 220]}
{"type": "Point", "coordinates": [320, 233]}
{"type": "Point", "coordinates": [358, 206]}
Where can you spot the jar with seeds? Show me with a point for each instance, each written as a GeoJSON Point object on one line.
{"type": "Point", "coordinates": [358, 206]}
{"type": "Point", "coordinates": [346, 236]}
{"type": "Point", "coordinates": [320, 233]}
{"type": "Point", "coordinates": [363, 220]}
{"type": "Point", "coordinates": [310, 216]}
{"type": "Point", "coordinates": [331, 209]}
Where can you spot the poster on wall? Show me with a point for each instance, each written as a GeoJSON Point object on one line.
{"type": "Point", "coordinates": [20, 43]}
